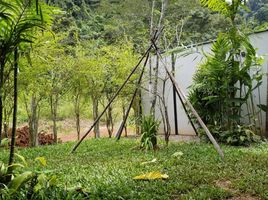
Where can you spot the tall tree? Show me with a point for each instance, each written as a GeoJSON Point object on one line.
{"type": "Point", "coordinates": [20, 18]}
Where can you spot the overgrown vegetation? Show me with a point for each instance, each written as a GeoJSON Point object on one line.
{"type": "Point", "coordinates": [106, 168]}
{"type": "Point", "coordinates": [224, 83]}
{"type": "Point", "coordinates": [149, 130]}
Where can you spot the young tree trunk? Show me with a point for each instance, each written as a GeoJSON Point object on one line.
{"type": "Point", "coordinates": [137, 113]}
{"type": "Point", "coordinates": [109, 119]}
{"type": "Point", "coordinates": [109, 122]}
{"type": "Point", "coordinates": [33, 121]}
{"type": "Point", "coordinates": [77, 113]}
{"type": "Point", "coordinates": [54, 110]}
{"type": "Point", "coordinates": [14, 126]}
{"type": "Point", "coordinates": [155, 84]}
{"type": "Point", "coordinates": [168, 129]}
{"type": "Point", "coordinates": [266, 113]}
{"type": "Point", "coordinates": [95, 116]}
{"type": "Point", "coordinates": [124, 115]}
{"type": "Point", "coordinates": [1, 91]}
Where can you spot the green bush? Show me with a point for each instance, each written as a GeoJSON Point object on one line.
{"type": "Point", "coordinates": [25, 183]}
{"type": "Point", "coordinates": [239, 136]}
{"type": "Point", "coordinates": [149, 129]}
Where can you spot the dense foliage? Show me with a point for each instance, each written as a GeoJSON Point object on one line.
{"type": "Point", "coordinates": [224, 83]}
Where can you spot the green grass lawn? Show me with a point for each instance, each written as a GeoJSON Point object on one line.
{"type": "Point", "coordinates": [106, 169]}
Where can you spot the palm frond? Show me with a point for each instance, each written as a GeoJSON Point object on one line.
{"type": "Point", "coordinates": [216, 5]}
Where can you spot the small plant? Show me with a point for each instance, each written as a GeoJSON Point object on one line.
{"type": "Point", "coordinates": [241, 135]}
{"type": "Point", "coordinates": [32, 184]}
{"type": "Point", "coordinates": [149, 129]}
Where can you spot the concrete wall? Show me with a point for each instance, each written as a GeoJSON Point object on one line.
{"type": "Point", "coordinates": [185, 68]}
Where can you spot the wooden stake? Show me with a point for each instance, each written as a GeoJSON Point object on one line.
{"type": "Point", "coordinates": [157, 33]}
{"type": "Point", "coordinates": [188, 103]}
{"type": "Point", "coordinates": [120, 130]}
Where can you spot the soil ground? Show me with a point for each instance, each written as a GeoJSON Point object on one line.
{"type": "Point", "coordinates": [67, 130]}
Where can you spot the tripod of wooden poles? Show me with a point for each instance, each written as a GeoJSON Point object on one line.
{"type": "Point", "coordinates": [185, 102]}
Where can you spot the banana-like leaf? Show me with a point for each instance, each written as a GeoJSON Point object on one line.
{"type": "Point", "coordinates": [22, 159]}
{"type": "Point", "coordinates": [42, 160]}
{"type": "Point", "coordinates": [18, 181]}
{"type": "Point", "coordinates": [16, 165]}
{"type": "Point", "coordinates": [151, 176]}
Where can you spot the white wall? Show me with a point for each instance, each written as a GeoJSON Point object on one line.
{"type": "Point", "coordinates": [185, 68]}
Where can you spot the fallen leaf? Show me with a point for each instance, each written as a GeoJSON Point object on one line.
{"type": "Point", "coordinates": [151, 176]}
{"type": "Point", "coordinates": [42, 160]}
{"type": "Point", "coordinates": [149, 162]}
{"type": "Point", "coordinates": [177, 154]}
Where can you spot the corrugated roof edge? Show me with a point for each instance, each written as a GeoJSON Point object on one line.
{"type": "Point", "coordinates": [178, 49]}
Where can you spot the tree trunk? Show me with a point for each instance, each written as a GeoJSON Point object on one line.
{"type": "Point", "coordinates": [33, 121]}
{"type": "Point", "coordinates": [109, 119]}
{"type": "Point", "coordinates": [95, 116]}
{"type": "Point", "coordinates": [266, 113]}
{"type": "Point", "coordinates": [77, 114]}
{"type": "Point", "coordinates": [137, 112]}
{"type": "Point", "coordinates": [54, 110]}
{"type": "Point", "coordinates": [124, 115]}
{"type": "Point", "coordinates": [155, 84]}
{"type": "Point", "coordinates": [168, 129]}
{"type": "Point", "coordinates": [1, 92]}
{"type": "Point", "coordinates": [14, 126]}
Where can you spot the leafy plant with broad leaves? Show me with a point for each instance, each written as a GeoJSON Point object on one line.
{"type": "Point", "coordinates": [224, 83]}
{"type": "Point", "coordinates": [19, 20]}
{"type": "Point", "coordinates": [33, 184]}
{"type": "Point", "coordinates": [149, 129]}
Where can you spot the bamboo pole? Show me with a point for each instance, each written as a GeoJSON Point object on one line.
{"type": "Point", "coordinates": [188, 103]}
{"type": "Point", "coordinates": [120, 130]}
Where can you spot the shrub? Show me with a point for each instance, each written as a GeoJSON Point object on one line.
{"type": "Point", "coordinates": [149, 129]}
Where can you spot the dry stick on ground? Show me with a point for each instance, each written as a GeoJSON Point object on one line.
{"type": "Point", "coordinates": [157, 33]}
{"type": "Point", "coordinates": [120, 130]}
{"type": "Point", "coordinates": [188, 103]}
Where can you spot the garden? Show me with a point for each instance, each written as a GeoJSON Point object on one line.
{"type": "Point", "coordinates": [81, 69]}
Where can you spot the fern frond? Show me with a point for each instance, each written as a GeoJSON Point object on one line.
{"type": "Point", "coordinates": [216, 5]}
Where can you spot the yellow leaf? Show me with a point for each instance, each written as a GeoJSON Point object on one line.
{"type": "Point", "coordinates": [148, 162]}
{"type": "Point", "coordinates": [177, 154]}
{"type": "Point", "coordinates": [151, 176]}
{"type": "Point", "coordinates": [42, 160]}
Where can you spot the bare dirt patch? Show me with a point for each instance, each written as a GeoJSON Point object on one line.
{"type": "Point", "coordinates": [227, 185]}
{"type": "Point", "coordinates": [67, 129]}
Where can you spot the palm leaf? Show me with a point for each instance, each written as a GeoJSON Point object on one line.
{"type": "Point", "coordinates": [216, 5]}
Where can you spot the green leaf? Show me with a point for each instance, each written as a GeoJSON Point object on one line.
{"type": "Point", "coordinates": [22, 159]}
{"type": "Point", "coordinates": [42, 160]}
{"type": "Point", "coordinates": [4, 142]}
{"type": "Point", "coordinates": [18, 181]}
